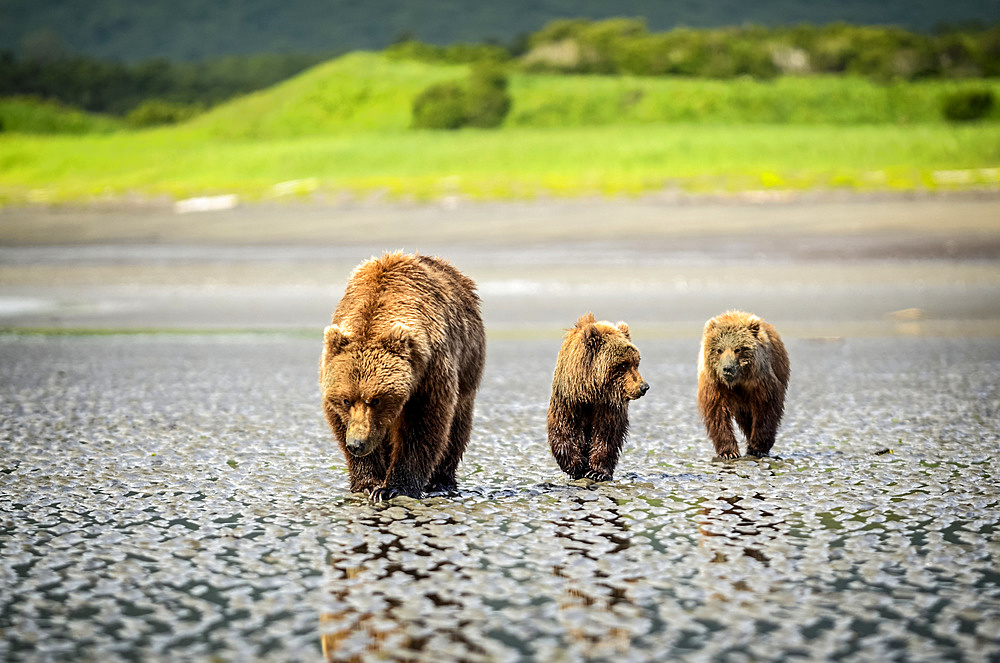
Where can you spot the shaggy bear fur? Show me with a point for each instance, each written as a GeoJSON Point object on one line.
{"type": "Point", "coordinates": [597, 374]}
{"type": "Point", "coordinates": [742, 374]}
{"type": "Point", "coordinates": [400, 367]}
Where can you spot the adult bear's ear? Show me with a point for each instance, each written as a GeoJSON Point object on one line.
{"type": "Point", "coordinates": [623, 328]}
{"type": "Point", "coordinates": [334, 339]}
{"type": "Point", "coordinates": [754, 326]}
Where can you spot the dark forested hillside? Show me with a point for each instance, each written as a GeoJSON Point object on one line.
{"type": "Point", "coordinates": [195, 29]}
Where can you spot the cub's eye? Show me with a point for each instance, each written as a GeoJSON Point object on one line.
{"type": "Point", "coordinates": [375, 402]}
{"type": "Point", "coordinates": [719, 351]}
{"type": "Point", "coordinates": [347, 403]}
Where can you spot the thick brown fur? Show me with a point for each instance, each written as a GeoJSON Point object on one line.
{"type": "Point", "coordinates": [597, 374]}
{"type": "Point", "coordinates": [400, 367]}
{"type": "Point", "coordinates": [743, 373]}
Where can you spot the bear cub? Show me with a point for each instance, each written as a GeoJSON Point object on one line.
{"type": "Point", "coordinates": [596, 375]}
{"type": "Point", "coordinates": [401, 363]}
{"type": "Point", "coordinates": [743, 372]}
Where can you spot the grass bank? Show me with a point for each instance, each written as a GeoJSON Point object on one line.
{"type": "Point", "coordinates": [516, 163]}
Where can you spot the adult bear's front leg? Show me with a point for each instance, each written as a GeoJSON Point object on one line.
{"type": "Point", "coordinates": [420, 440]}
{"type": "Point", "coordinates": [367, 473]}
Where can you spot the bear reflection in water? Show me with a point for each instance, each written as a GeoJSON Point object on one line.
{"type": "Point", "coordinates": [415, 586]}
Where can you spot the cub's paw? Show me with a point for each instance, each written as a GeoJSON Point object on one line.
{"type": "Point", "coordinates": [383, 494]}
{"type": "Point", "coordinates": [442, 486]}
{"type": "Point", "coordinates": [597, 475]}
{"type": "Point", "coordinates": [365, 488]}
{"type": "Point", "coordinates": [729, 455]}
{"type": "Point", "coordinates": [386, 493]}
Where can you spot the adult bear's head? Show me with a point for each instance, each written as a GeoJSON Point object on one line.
{"type": "Point", "coordinates": [366, 382]}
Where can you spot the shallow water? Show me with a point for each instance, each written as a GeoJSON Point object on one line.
{"type": "Point", "coordinates": [172, 497]}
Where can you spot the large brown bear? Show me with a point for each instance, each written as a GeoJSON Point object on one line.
{"type": "Point", "coordinates": [742, 374]}
{"type": "Point", "coordinates": [597, 374]}
{"type": "Point", "coordinates": [400, 367]}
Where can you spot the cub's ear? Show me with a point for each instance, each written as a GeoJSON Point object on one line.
{"type": "Point", "coordinates": [591, 336]}
{"type": "Point", "coordinates": [623, 328]}
{"type": "Point", "coordinates": [586, 319]}
{"type": "Point", "coordinates": [754, 326]}
{"type": "Point", "coordinates": [400, 340]}
{"type": "Point", "coordinates": [334, 339]}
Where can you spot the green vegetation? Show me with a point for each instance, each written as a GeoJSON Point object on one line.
{"type": "Point", "coordinates": [112, 87]}
{"type": "Point", "coordinates": [35, 116]}
{"type": "Point", "coordinates": [369, 92]}
{"type": "Point", "coordinates": [968, 105]}
{"type": "Point", "coordinates": [561, 100]}
{"type": "Point", "coordinates": [612, 160]}
{"type": "Point", "coordinates": [155, 112]}
{"type": "Point", "coordinates": [481, 101]}
{"type": "Point", "coordinates": [625, 46]}
{"type": "Point", "coordinates": [451, 54]}
{"type": "Point", "coordinates": [614, 46]}
{"type": "Point", "coordinates": [441, 106]}
{"type": "Point", "coordinates": [344, 127]}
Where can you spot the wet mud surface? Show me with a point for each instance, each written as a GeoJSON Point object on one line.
{"type": "Point", "coordinates": [178, 497]}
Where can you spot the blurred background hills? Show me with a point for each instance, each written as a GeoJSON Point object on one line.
{"type": "Point", "coordinates": [184, 30]}
{"type": "Point", "coordinates": [110, 99]}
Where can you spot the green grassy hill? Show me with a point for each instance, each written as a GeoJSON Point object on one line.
{"type": "Point", "coordinates": [369, 92]}
{"type": "Point", "coordinates": [356, 92]}
{"type": "Point", "coordinates": [343, 127]}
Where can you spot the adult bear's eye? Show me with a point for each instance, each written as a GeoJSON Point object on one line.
{"type": "Point", "coordinates": [374, 402]}
{"type": "Point", "coordinates": [347, 403]}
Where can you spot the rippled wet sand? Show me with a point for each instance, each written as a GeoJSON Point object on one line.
{"type": "Point", "coordinates": [174, 497]}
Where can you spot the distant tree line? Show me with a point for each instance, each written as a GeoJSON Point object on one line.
{"type": "Point", "coordinates": [156, 91]}
{"type": "Point", "coordinates": [194, 30]}
{"type": "Point", "coordinates": [112, 87]}
{"type": "Point", "coordinates": [626, 46]}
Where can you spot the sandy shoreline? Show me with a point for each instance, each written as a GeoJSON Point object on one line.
{"type": "Point", "coordinates": [817, 266]}
{"type": "Point", "coordinates": [940, 224]}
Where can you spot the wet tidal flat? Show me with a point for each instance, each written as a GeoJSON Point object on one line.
{"type": "Point", "coordinates": [179, 497]}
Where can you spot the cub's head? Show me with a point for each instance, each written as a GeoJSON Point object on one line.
{"type": "Point", "coordinates": [608, 362]}
{"type": "Point", "coordinates": [366, 382]}
{"type": "Point", "coordinates": [730, 347]}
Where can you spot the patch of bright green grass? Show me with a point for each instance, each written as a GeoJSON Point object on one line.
{"type": "Point", "coordinates": [516, 163]}
{"type": "Point", "coordinates": [558, 100]}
